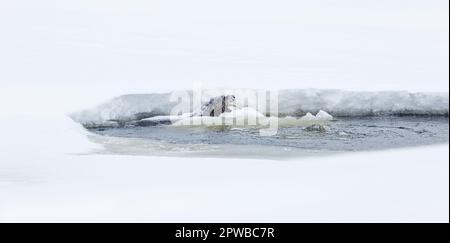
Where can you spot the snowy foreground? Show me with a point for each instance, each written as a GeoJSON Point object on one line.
{"type": "Point", "coordinates": [48, 175]}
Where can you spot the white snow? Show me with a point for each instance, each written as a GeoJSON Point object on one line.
{"type": "Point", "coordinates": [126, 107]}
{"type": "Point", "coordinates": [245, 112]}
{"type": "Point", "coordinates": [162, 45]}
{"type": "Point", "coordinates": [320, 116]}
{"type": "Point", "coordinates": [291, 102]}
{"type": "Point", "coordinates": [166, 118]}
{"type": "Point", "coordinates": [323, 115]}
{"type": "Point", "coordinates": [46, 176]}
{"type": "Point", "coordinates": [352, 103]}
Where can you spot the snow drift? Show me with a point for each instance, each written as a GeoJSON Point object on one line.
{"type": "Point", "coordinates": [290, 103]}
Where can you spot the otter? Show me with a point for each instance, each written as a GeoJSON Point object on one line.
{"type": "Point", "coordinates": [217, 105]}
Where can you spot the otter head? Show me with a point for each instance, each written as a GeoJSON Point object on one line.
{"type": "Point", "coordinates": [230, 101]}
{"type": "Point", "coordinates": [218, 105]}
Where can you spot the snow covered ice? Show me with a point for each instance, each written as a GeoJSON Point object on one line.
{"type": "Point", "coordinates": [87, 134]}
{"type": "Point", "coordinates": [291, 102]}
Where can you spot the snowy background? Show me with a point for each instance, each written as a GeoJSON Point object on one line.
{"type": "Point", "coordinates": [60, 57]}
